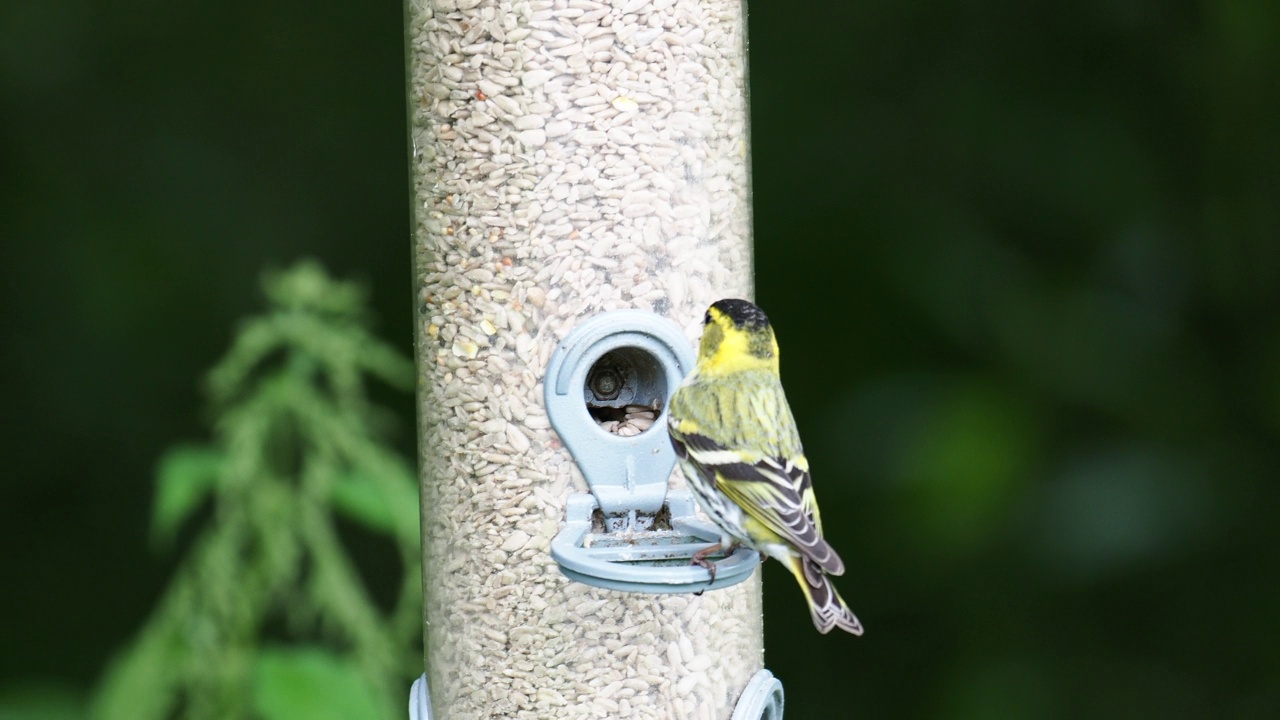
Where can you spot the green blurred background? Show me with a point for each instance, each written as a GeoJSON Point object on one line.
{"type": "Point", "coordinates": [1024, 259]}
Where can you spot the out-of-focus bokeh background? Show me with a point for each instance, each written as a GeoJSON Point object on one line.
{"type": "Point", "coordinates": [1024, 261]}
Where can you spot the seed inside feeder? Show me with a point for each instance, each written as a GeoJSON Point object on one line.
{"type": "Point", "coordinates": [606, 161]}
{"type": "Point", "coordinates": [627, 421]}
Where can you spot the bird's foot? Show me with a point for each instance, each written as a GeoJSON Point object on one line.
{"type": "Point", "coordinates": [700, 559]}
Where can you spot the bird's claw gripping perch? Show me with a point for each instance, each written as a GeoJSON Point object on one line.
{"type": "Point", "coordinates": [700, 559]}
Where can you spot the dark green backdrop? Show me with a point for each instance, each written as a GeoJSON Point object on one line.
{"type": "Point", "coordinates": [1024, 259]}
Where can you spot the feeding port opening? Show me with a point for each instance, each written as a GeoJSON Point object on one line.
{"type": "Point", "coordinates": [625, 391]}
{"type": "Point", "coordinates": [630, 532]}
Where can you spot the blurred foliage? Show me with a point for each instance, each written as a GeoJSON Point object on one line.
{"type": "Point", "coordinates": [27, 700]}
{"type": "Point", "coordinates": [1047, 239]}
{"type": "Point", "coordinates": [267, 617]}
{"type": "Point", "coordinates": [1024, 260]}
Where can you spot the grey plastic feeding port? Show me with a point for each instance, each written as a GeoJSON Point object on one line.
{"type": "Point", "coordinates": [629, 532]}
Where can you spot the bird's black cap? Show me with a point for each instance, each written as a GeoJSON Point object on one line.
{"type": "Point", "coordinates": [743, 314]}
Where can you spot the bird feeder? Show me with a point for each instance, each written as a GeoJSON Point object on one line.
{"type": "Point", "coordinates": [580, 194]}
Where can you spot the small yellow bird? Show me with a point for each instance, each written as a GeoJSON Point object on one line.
{"type": "Point", "coordinates": [740, 451]}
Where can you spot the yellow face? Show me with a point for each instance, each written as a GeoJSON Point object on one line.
{"type": "Point", "coordinates": [728, 348]}
{"type": "Point", "coordinates": [712, 333]}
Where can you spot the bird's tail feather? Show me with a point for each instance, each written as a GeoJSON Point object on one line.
{"type": "Point", "coordinates": [825, 604]}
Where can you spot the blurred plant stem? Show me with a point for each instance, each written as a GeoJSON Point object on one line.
{"type": "Point", "coordinates": [267, 616]}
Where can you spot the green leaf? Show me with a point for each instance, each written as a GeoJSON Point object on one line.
{"type": "Point", "coordinates": [389, 503]}
{"type": "Point", "coordinates": [307, 286]}
{"type": "Point", "coordinates": [311, 684]}
{"type": "Point", "coordinates": [186, 475]}
{"type": "Point", "coordinates": [143, 681]}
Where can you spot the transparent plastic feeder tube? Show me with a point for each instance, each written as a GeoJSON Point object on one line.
{"type": "Point", "coordinates": [569, 157]}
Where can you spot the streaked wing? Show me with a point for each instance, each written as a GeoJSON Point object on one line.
{"type": "Point", "coordinates": [777, 492]}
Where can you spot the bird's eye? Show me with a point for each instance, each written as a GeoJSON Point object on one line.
{"type": "Point", "coordinates": [706, 319]}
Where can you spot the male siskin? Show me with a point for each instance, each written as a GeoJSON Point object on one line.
{"type": "Point", "coordinates": [740, 451]}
